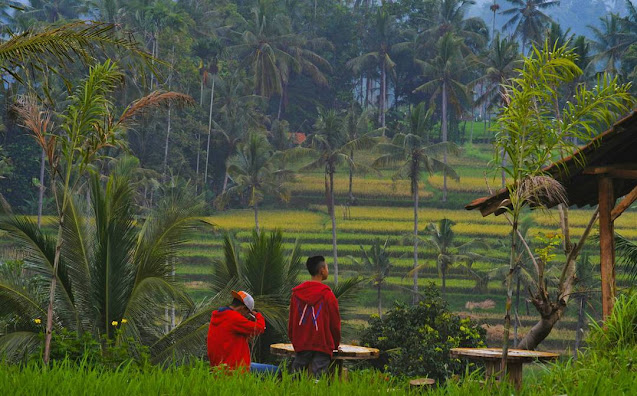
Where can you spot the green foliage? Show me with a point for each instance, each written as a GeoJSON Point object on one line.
{"type": "Point", "coordinates": [415, 340]}
{"type": "Point", "coordinates": [619, 331]}
{"type": "Point", "coordinates": [69, 346]}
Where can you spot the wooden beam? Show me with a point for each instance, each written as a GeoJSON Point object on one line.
{"type": "Point", "coordinates": [599, 170]}
{"type": "Point", "coordinates": [624, 204]}
{"type": "Point", "coordinates": [606, 244]}
{"type": "Point", "coordinates": [623, 174]}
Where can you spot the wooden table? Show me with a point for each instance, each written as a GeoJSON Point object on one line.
{"type": "Point", "coordinates": [344, 352]}
{"type": "Point", "coordinates": [492, 358]}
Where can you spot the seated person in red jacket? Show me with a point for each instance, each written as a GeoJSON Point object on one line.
{"type": "Point", "coordinates": [314, 326]}
{"type": "Point", "coordinates": [230, 330]}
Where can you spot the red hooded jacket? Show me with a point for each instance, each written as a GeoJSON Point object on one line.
{"type": "Point", "coordinates": [315, 323]}
{"type": "Point", "coordinates": [228, 337]}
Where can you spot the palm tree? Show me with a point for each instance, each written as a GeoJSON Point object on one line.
{"type": "Point", "coordinates": [411, 149]}
{"type": "Point", "coordinates": [610, 42]}
{"type": "Point", "coordinates": [627, 252]}
{"type": "Point", "coordinates": [88, 127]}
{"type": "Point", "coordinates": [54, 46]}
{"type": "Point", "coordinates": [380, 56]}
{"type": "Point", "coordinates": [357, 123]}
{"type": "Point", "coordinates": [254, 171]}
{"type": "Point", "coordinates": [500, 65]}
{"type": "Point", "coordinates": [442, 73]}
{"type": "Point", "coordinates": [329, 147]}
{"type": "Point", "coordinates": [272, 52]}
{"type": "Point", "coordinates": [529, 19]}
{"type": "Point", "coordinates": [441, 238]}
{"type": "Point", "coordinates": [112, 274]}
{"type": "Point", "coordinates": [237, 113]}
{"type": "Point", "coordinates": [377, 259]}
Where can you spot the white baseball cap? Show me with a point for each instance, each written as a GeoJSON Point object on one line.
{"type": "Point", "coordinates": [245, 298]}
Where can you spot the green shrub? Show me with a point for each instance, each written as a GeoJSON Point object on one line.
{"type": "Point", "coordinates": [415, 339]}
{"type": "Point", "coordinates": [110, 353]}
{"type": "Point", "coordinates": [620, 329]}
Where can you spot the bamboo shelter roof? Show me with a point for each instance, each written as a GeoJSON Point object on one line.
{"type": "Point", "coordinates": [614, 152]}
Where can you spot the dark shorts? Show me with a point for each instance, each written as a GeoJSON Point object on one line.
{"type": "Point", "coordinates": [317, 362]}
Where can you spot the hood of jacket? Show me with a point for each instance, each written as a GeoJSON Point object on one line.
{"type": "Point", "coordinates": [311, 292]}
{"type": "Point", "coordinates": [222, 314]}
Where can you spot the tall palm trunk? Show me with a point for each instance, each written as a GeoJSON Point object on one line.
{"type": "Point", "coordinates": [167, 142]}
{"type": "Point", "coordinates": [351, 177]}
{"type": "Point", "coordinates": [444, 284]}
{"type": "Point", "coordinates": [197, 166]}
{"type": "Point", "coordinates": [414, 185]}
{"type": "Point", "coordinates": [256, 217]}
{"type": "Point", "coordinates": [212, 99]}
{"type": "Point", "coordinates": [41, 188]}
{"type": "Point", "coordinates": [56, 260]}
{"type": "Point", "coordinates": [380, 306]}
{"type": "Point", "coordinates": [444, 139]}
{"type": "Point", "coordinates": [333, 218]}
{"type": "Point", "coordinates": [383, 93]}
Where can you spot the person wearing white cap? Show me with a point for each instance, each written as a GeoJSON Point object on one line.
{"type": "Point", "coordinates": [230, 330]}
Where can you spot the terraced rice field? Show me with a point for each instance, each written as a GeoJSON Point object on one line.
{"type": "Point", "coordinates": [384, 212]}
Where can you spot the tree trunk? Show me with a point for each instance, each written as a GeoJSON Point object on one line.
{"type": "Point", "coordinates": [383, 95]}
{"type": "Point", "coordinates": [444, 139]}
{"type": "Point", "coordinates": [256, 217]}
{"type": "Point", "coordinates": [334, 250]}
{"type": "Point", "coordinates": [201, 92]}
{"type": "Point", "coordinates": [415, 296]}
{"type": "Point", "coordinates": [517, 309]}
{"type": "Point", "coordinates": [368, 91]}
{"type": "Point", "coordinates": [351, 177]}
{"type": "Point", "coordinates": [167, 143]}
{"type": "Point", "coordinates": [197, 166]}
{"type": "Point", "coordinates": [380, 307]}
{"type": "Point", "coordinates": [172, 307]}
{"type": "Point", "coordinates": [581, 322]}
{"type": "Point", "coordinates": [541, 329]}
{"type": "Point", "coordinates": [509, 297]}
{"type": "Point", "coordinates": [212, 99]}
{"type": "Point", "coordinates": [444, 284]}
{"type": "Point", "coordinates": [225, 181]}
{"type": "Point", "coordinates": [41, 188]}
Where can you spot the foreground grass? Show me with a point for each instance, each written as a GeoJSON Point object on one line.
{"type": "Point", "coordinates": [594, 374]}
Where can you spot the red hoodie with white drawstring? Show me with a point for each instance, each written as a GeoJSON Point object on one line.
{"type": "Point", "coordinates": [315, 322]}
{"type": "Point", "coordinates": [228, 337]}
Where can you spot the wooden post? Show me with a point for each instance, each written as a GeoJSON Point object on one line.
{"type": "Point", "coordinates": [607, 244]}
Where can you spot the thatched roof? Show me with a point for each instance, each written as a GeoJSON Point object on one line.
{"type": "Point", "coordinates": [613, 153]}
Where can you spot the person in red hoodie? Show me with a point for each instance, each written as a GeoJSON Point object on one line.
{"type": "Point", "coordinates": [314, 326]}
{"type": "Point", "coordinates": [230, 329]}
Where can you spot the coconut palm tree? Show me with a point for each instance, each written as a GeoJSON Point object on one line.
{"type": "Point", "coordinates": [329, 147]}
{"type": "Point", "coordinates": [627, 252]}
{"type": "Point", "coordinates": [500, 65]}
{"type": "Point", "coordinates": [384, 38]}
{"type": "Point", "coordinates": [88, 127]}
{"type": "Point", "coordinates": [442, 73]}
{"type": "Point", "coordinates": [412, 151]}
{"type": "Point", "coordinates": [357, 123]}
{"type": "Point", "coordinates": [112, 273]}
{"type": "Point", "coordinates": [54, 46]}
{"type": "Point", "coordinates": [273, 52]}
{"type": "Point", "coordinates": [377, 260]}
{"type": "Point", "coordinates": [529, 19]}
{"type": "Point", "coordinates": [610, 42]}
{"type": "Point", "coordinates": [255, 173]}
{"type": "Point", "coordinates": [440, 237]}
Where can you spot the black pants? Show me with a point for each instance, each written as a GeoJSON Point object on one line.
{"type": "Point", "coordinates": [317, 362]}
